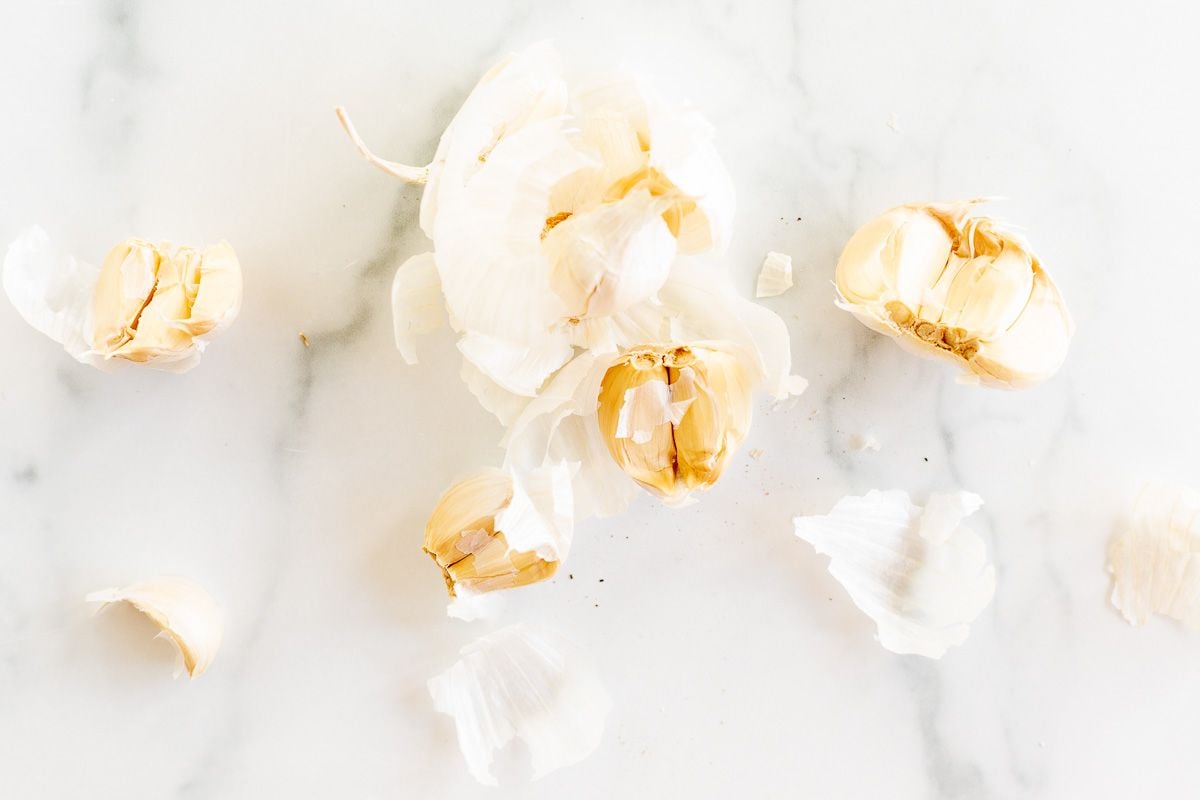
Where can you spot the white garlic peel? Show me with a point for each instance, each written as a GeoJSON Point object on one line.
{"type": "Point", "coordinates": [1155, 562]}
{"type": "Point", "coordinates": [520, 682]}
{"type": "Point", "coordinates": [416, 303]}
{"type": "Point", "coordinates": [946, 282]}
{"type": "Point", "coordinates": [185, 613]}
{"type": "Point", "coordinates": [775, 277]}
{"type": "Point", "coordinates": [151, 304]}
{"type": "Point", "coordinates": [920, 574]}
{"type": "Point", "coordinates": [556, 213]}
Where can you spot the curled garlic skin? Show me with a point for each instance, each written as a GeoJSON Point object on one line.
{"type": "Point", "coordinates": [497, 529]}
{"type": "Point", "coordinates": [946, 282]}
{"type": "Point", "coordinates": [185, 613]}
{"type": "Point", "coordinates": [672, 416]}
{"type": "Point", "coordinates": [151, 304]}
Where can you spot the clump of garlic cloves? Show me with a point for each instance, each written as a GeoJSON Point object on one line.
{"type": "Point", "coordinates": [498, 529]}
{"type": "Point", "coordinates": [184, 612]}
{"type": "Point", "coordinates": [919, 573]}
{"type": "Point", "coordinates": [151, 304]}
{"type": "Point", "coordinates": [522, 682]}
{"type": "Point", "coordinates": [946, 282]}
{"type": "Point", "coordinates": [1155, 562]}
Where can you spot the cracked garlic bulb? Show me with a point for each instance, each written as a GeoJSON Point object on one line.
{"type": "Point", "coordinates": [498, 529]}
{"type": "Point", "coordinates": [153, 304]}
{"type": "Point", "coordinates": [672, 416]}
{"type": "Point", "coordinates": [946, 282]}
{"type": "Point", "coordinates": [554, 214]}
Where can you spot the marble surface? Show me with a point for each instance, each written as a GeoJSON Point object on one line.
{"type": "Point", "coordinates": [294, 482]}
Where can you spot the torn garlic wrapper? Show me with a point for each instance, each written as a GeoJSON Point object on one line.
{"type": "Point", "coordinates": [1155, 563]}
{"type": "Point", "coordinates": [153, 304]}
{"type": "Point", "coordinates": [521, 682]}
{"type": "Point", "coordinates": [498, 529]}
{"type": "Point", "coordinates": [555, 213]}
{"type": "Point", "coordinates": [775, 277]}
{"type": "Point", "coordinates": [920, 574]}
{"type": "Point", "coordinates": [184, 612]}
{"type": "Point", "coordinates": [946, 282]}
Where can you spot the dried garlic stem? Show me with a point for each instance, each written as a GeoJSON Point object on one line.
{"type": "Point", "coordinates": [402, 171]}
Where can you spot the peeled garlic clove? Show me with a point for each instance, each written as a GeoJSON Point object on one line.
{"type": "Point", "coordinates": [185, 613]}
{"type": "Point", "coordinates": [775, 277]}
{"type": "Point", "coordinates": [498, 529]}
{"type": "Point", "coordinates": [1155, 563]}
{"type": "Point", "coordinates": [673, 416]}
{"type": "Point", "coordinates": [524, 683]}
{"type": "Point", "coordinates": [920, 574]}
{"type": "Point", "coordinates": [416, 303]}
{"type": "Point", "coordinates": [948, 283]}
{"type": "Point", "coordinates": [148, 303]}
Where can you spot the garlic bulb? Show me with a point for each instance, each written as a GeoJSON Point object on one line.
{"type": "Point", "coordinates": [672, 416]}
{"type": "Point", "coordinates": [946, 282]}
{"type": "Point", "coordinates": [185, 613]}
{"type": "Point", "coordinates": [1155, 564]}
{"type": "Point", "coordinates": [499, 529]}
{"type": "Point", "coordinates": [556, 215]}
{"type": "Point", "coordinates": [149, 304]}
{"type": "Point", "coordinates": [522, 682]}
{"type": "Point", "coordinates": [920, 574]}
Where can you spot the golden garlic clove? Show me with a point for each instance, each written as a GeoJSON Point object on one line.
{"type": "Point", "coordinates": [154, 301]}
{"type": "Point", "coordinates": [946, 282]}
{"type": "Point", "coordinates": [462, 537]}
{"type": "Point", "coordinates": [672, 416]}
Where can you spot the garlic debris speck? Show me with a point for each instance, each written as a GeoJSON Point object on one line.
{"type": "Point", "coordinates": [150, 304]}
{"type": "Point", "coordinates": [522, 682]}
{"type": "Point", "coordinates": [946, 282]}
{"type": "Point", "coordinates": [775, 277]}
{"type": "Point", "coordinates": [1155, 563]}
{"type": "Point", "coordinates": [498, 529]}
{"type": "Point", "coordinates": [672, 416]}
{"type": "Point", "coordinates": [185, 613]}
{"type": "Point", "coordinates": [555, 215]}
{"type": "Point", "coordinates": [920, 574]}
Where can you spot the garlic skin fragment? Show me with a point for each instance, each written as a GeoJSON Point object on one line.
{"type": "Point", "coordinates": [920, 574]}
{"type": "Point", "coordinates": [182, 609]}
{"type": "Point", "coordinates": [775, 277]}
{"type": "Point", "coordinates": [157, 305]}
{"type": "Point", "coordinates": [1155, 563]}
{"type": "Point", "coordinates": [521, 682]}
{"type": "Point", "coordinates": [499, 529]}
{"type": "Point", "coordinates": [947, 282]}
{"type": "Point", "coordinates": [672, 416]}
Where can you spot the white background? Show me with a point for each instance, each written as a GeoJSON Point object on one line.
{"type": "Point", "coordinates": [295, 482]}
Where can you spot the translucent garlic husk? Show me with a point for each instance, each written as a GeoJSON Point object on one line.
{"type": "Point", "coordinates": [672, 416]}
{"type": "Point", "coordinates": [498, 529]}
{"type": "Point", "coordinates": [946, 282]}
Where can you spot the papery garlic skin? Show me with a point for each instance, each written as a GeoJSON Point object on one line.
{"type": "Point", "coordinates": [946, 282]}
{"type": "Point", "coordinates": [151, 304]}
{"type": "Point", "coordinates": [1155, 562]}
{"type": "Point", "coordinates": [525, 683]}
{"type": "Point", "coordinates": [672, 416]}
{"type": "Point", "coordinates": [775, 277]}
{"type": "Point", "coordinates": [182, 609]}
{"type": "Point", "coordinates": [498, 529]}
{"type": "Point", "coordinates": [920, 574]}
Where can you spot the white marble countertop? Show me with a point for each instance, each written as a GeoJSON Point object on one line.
{"type": "Point", "coordinates": [295, 482]}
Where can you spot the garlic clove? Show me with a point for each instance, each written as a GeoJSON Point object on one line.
{"type": "Point", "coordinates": [1155, 562]}
{"type": "Point", "coordinates": [920, 574]}
{"type": "Point", "coordinates": [525, 683]}
{"type": "Point", "coordinates": [775, 277]}
{"type": "Point", "coordinates": [498, 529]}
{"type": "Point", "coordinates": [185, 613]}
{"type": "Point", "coordinates": [946, 282]}
{"type": "Point", "coordinates": [52, 292]}
{"type": "Point", "coordinates": [416, 303]}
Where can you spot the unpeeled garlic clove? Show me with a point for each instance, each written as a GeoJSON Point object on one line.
{"type": "Point", "coordinates": [185, 613]}
{"type": "Point", "coordinates": [672, 416]}
{"type": "Point", "coordinates": [498, 529]}
{"type": "Point", "coordinates": [946, 282]}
